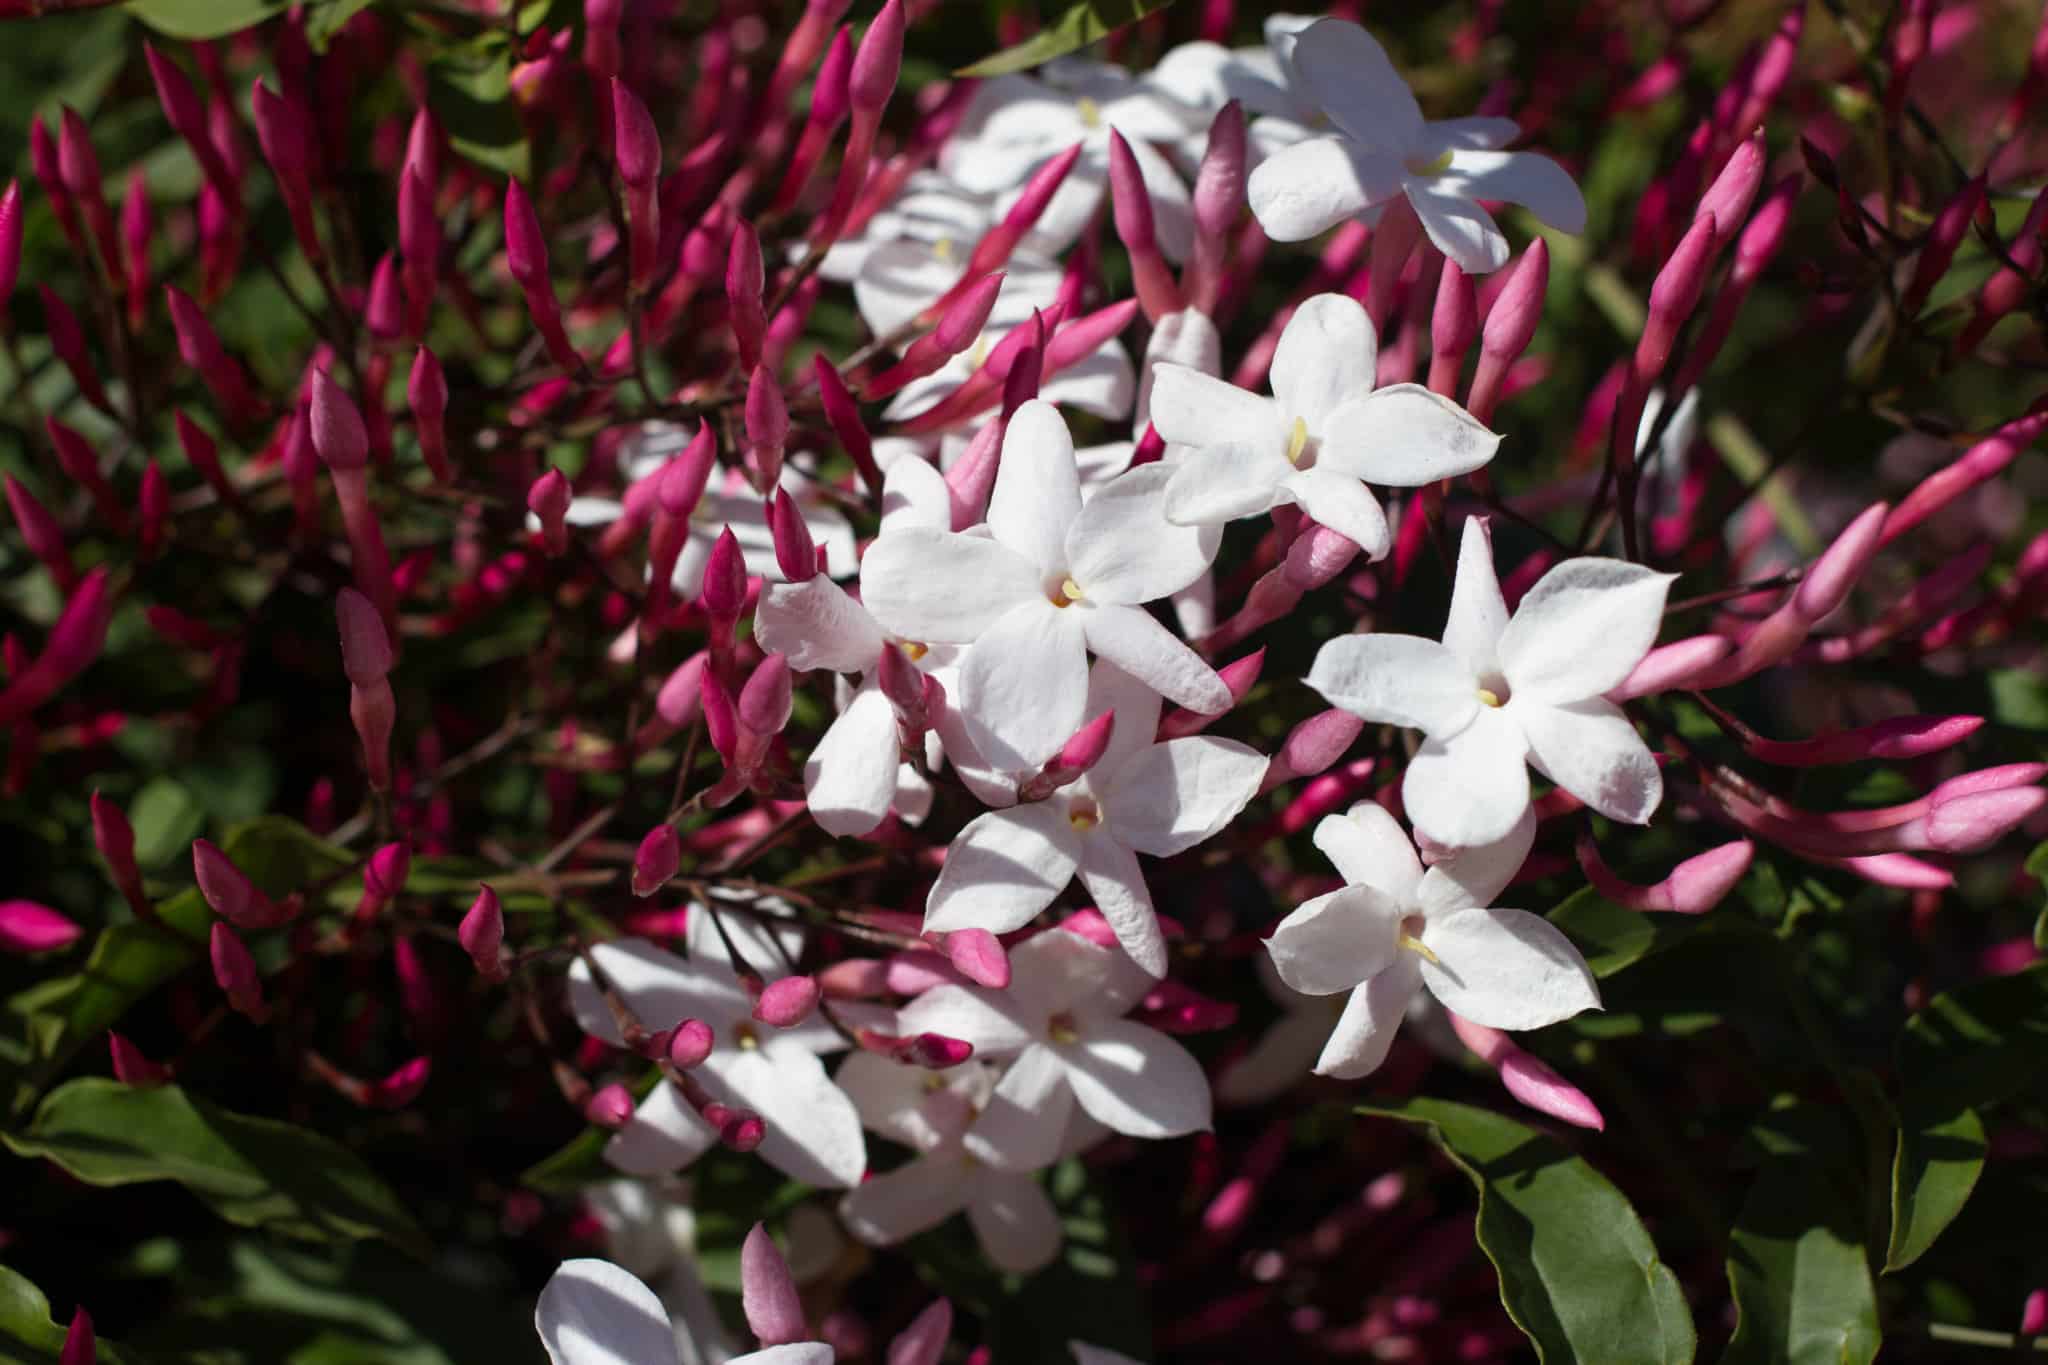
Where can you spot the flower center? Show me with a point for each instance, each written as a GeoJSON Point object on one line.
{"type": "Point", "coordinates": [1084, 815]}
{"type": "Point", "coordinates": [1068, 593]}
{"type": "Point", "coordinates": [1493, 691]}
{"type": "Point", "coordinates": [1090, 112]}
{"type": "Point", "coordinates": [1411, 939]}
{"type": "Point", "coordinates": [943, 249]}
{"type": "Point", "coordinates": [1417, 166]}
{"type": "Point", "coordinates": [1061, 1028]}
{"type": "Point", "coordinates": [744, 1037]}
{"type": "Point", "coordinates": [913, 650]}
{"type": "Point", "coordinates": [1297, 440]}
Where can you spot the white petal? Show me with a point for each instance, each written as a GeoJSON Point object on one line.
{"type": "Point", "coordinates": [1137, 710]}
{"type": "Point", "coordinates": [1470, 788]}
{"type": "Point", "coordinates": [1475, 134]}
{"type": "Point", "coordinates": [1476, 874]}
{"type": "Point", "coordinates": [1368, 847]}
{"type": "Point", "coordinates": [1334, 942]}
{"type": "Point", "coordinates": [1219, 483]}
{"type": "Point", "coordinates": [1038, 487]}
{"type": "Point", "coordinates": [1122, 549]}
{"type": "Point", "coordinates": [890, 1099]}
{"type": "Point", "coordinates": [1478, 613]}
{"type": "Point", "coordinates": [1024, 683]}
{"type": "Point", "coordinates": [1014, 1220]}
{"type": "Point", "coordinates": [1100, 464]}
{"type": "Point", "coordinates": [1137, 1080]}
{"type": "Point", "coordinates": [813, 1131]}
{"type": "Point", "coordinates": [1405, 436]}
{"type": "Point", "coordinates": [1371, 1018]}
{"type": "Point", "coordinates": [850, 777]}
{"type": "Point", "coordinates": [897, 1205]}
{"type": "Point", "coordinates": [1005, 867]}
{"type": "Point", "coordinates": [1021, 1127]}
{"type": "Point", "coordinates": [1130, 638]}
{"type": "Point", "coordinates": [932, 585]}
{"type": "Point", "coordinates": [1350, 77]}
{"type": "Point", "coordinates": [1196, 409]}
{"type": "Point", "coordinates": [1460, 228]}
{"type": "Point", "coordinates": [914, 794]}
{"type": "Point", "coordinates": [988, 1020]}
{"type": "Point", "coordinates": [1187, 338]}
{"type": "Point", "coordinates": [915, 494]}
{"type": "Point", "coordinates": [1582, 629]}
{"type": "Point", "coordinates": [1339, 501]}
{"type": "Point", "coordinates": [593, 1313]}
{"type": "Point", "coordinates": [1304, 190]}
{"type": "Point", "coordinates": [1590, 749]}
{"type": "Point", "coordinates": [1506, 969]}
{"type": "Point", "coordinates": [901, 279]}
{"type": "Point", "coordinates": [1173, 796]}
{"type": "Point", "coordinates": [1535, 182]}
{"type": "Point", "coordinates": [1283, 1056]}
{"type": "Point", "coordinates": [1328, 353]}
{"type": "Point", "coordinates": [1102, 383]}
{"type": "Point", "coordinates": [817, 625]}
{"type": "Point", "coordinates": [790, 1353]}
{"type": "Point", "coordinates": [1397, 680]}
{"type": "Point", "coordinates": [664, 1135]}
{"type": "Point", "coordinates": [1114, 880]}
{"type": "Point", "coordinates": [661, 988]}
{"type": "Point", "coordinates": [1058, 971]}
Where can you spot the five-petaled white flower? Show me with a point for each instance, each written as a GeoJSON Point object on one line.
{"type": "Point", "coordinates": [1498, 694]}
{"type": "Point", "coordinates": [812, 1130]}
{"type": "Point", "coordinates": [1383, 148]}
{"type": "Point", "coordinates": [1395, 929]}
{"type": "Point", "coordinates": [594, 1313]}
{"type": "Point", "coordinates": [1262, 79]}
{"type": "Point", "coordinates": [1140, 797]}
{"type": "Point", "coordinates": [1062, 1020]}
{"type": "Point", "coordinates": [1045, 581]}
{"type": "Point", "coordinates": [932, 1112]}
{"type": "Point", "coordinates": [1323, 431]}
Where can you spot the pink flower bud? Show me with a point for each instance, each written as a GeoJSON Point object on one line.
{"type": "Point", "coordinates": [282, 132]}
{"type": "Point", "coordinates": [1904, 737]}
{"type": "Point", "coordinates": [964, 319]}
{"type": "Point", "coordinates": [725, 579]}
{"type": "Point", "coordinates": [402, 1086]}
{"type": "Point", "coordinates": [27, 927]}
{"type": "Point", "coordinates": [338, 435]}
{"type": "Point", "coordinates": [831, 97]}
{"type": "Point", "coordinates": [365, 648]}
{"type": "Point", "coordinates": [1130, 200]}
{"type": "Point", "coordinates": [634, 141]}
{"type": "Point", "coordinates": [1943, 238]}
{"type": "Point", "coordinates": [796, 554]}
{"type": "Point", "coordinates": [41, 533]}
{"type": "Point", "coordinates": [1080, 753]}
{"type": "Point", "coordinates": [767, 1292]}
{"type": "Point", "coordinates": [1969, 824]}
{"type": "Point", "coordinates": [765, 700]}
{"type": "Point", "coordinates": [1673, 665]}
{"type": "Point", "coordinates": [745, 279]}
{"type": "Point", "coordinates": [230, 893]}
{"type": "Point", "coordinates": [1729, 197]}
{"type": "Point", "coordinates": [1827, 582]}
{"type": "Point", "coordinates": [136, 227]}
{"type": "Point", "coordinates": [10, 239]}
{"type": "Point", "coordinates": [204, 457]}
{"type": "Point", "coordinates": [386, 872]}
{"type": "Point", "coordinates": [767, 426]}
{"type": "Point", "coordinates": [153, 509]}
{"type": "Point", "coordinates": [526, 248]}
{"type": "Point", "coordinates": [721, 722]}
{"type": "Point", "coordinates": [115, 839]}
{"type": "Point", "coordinates": [426, 392]}
{"type": "Point", "coordinates": [419, 227]}
{"type": "Point", "coordinates": [924, 1341]}
{"type": "Point", "coordinates": [132, 1067]}
{"type": "Point", "coordinates": [787, 1002]}
{"type": "Point", "coordinates": [67, 339]}
{"type": "Point", "coordinates": [978, 955]}
{"type": "Point", "coordinates": [1702, 882]}
{"type": "Point", "coordinates": [482, 934]}
{"type": "Point", "coordinates": [1453, 324]}
{"type": "Point", "coordinates": [1219, 182]}
{"type": "Point", "coordinates": [77, 162]}
{"type": "Point", "coordinates": [610, 1107]}
{"type": "Point", "coordinates": [235, 972]}
{"type": "Point", "coordinates": [1528, 1078]}
{"type": "Point", "coordinates": [74, 642]}
{"type": "Point", "coordinates": [843, 415]}
{"type": "Point", "coordinates": [1511, 321]}
{"type": "Point", "coordinates": [691, 1043]}
{"type": "Point", "coordinates": [738, 1130]}
{"type": "Point", "coordinates": [2034, 1314]}
{"type": "Point", "coordinates": [936, 1052]}
{"type": "Point", "coordinates": [878, 61]}
{"type": "Point", "coordinates": [548, 500]}
{"type": "Point", "coordinates": [81, 1346]}
{"type": "Point", "coordinates": [423, 149]}
{"type": "Point", "coordinates": [658, 858]}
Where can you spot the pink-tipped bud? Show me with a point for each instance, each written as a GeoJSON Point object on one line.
{"type": "Point", "coordinates": [230, 893]}
{"type": "Point", "coordinates": [767, 426]}
{"type": "Point", "coordinates": [877, 62]}
{"type": "Point", "coordinates": [745, 280]}
{"type": "Point", "coordinates": [1080, 753]}
{"type": "Point", "coordinates": [132, 1067]}
{"type": "Point", "coordinates": [339, 438]}
{"type": "Point", "coordinates": [1946, 234]}
{"type": "Point", "coordinates": [725, 579]}
{"type": "Point", "coordinates": [1453, 324]}
{"type": "Point", "coordinates": [634, 141]}
{"type": "Point", "coordinates": [182, 107]}
{"type": "Point", "coordinates": [721, 721]}
{"type": "Point", "coordinates": [978, 955]}
{"type": "Point", "coordinates": [40, 533]}
{"type": "Point", "coordinates": [235, 972]}
{"type": "Point", "coordinates": [365, 648]}
{"type": "Point", "coordinates": [924, 1341]}
{"type": "Point", "coordinates": [610, 1107]}
{"type": "Point", "coordinates": [767, 1292]}
{"type": "Point", "coordinates": [659, 857]}
{"type": "Point", "coordinates": [1511, 321]}
{"type": "Point", "coordinates": [81, 1345]}
{"type": "Point", "coordinates": [1702, 882]}
{"type": "Point", "coordinates": [831, 99]}
{"type": "Point", "coordinates": [77, 163]}
{"type": "Point", "coordinates": [282, 133]}
{"type": "Point", "coordinates": [387, 871]}
{"type": "Point", "coordinates": [423, 149]}
{"type": "Point", "coordinates": [548, 500]}
{"type": "Point", "coordinates": [204, 456]}
{"type": "Point", "coordinates": [1673, 665]}
{"type": "Point", "coordinates": [1841, 565]}
{"type": "Point", "coordinates": [1970, 824]}
{"type": "Point", "coordinates": [904, 686]}
{"type": "Point", "coordinates": [1220, 180]}
{"type": "Point", "coordinates": [482, 934]}
{"type": "Point", "coordinates": [765, 700]}
{"type": "Point", "coordinates": [10, 239]}
{"type": "Point", "coordinates": [153, 509]}
{"type": "Point", "coordinates": [936, 1051]}
{"type": "Point", "coordinates": [526, 248]}
{"type": "Point", "coordinates": [787, 1002]}
{"type": "Point", "coordinates": [426, 392]}
{"type": "Point", "coordinates": [796, 553]}
{"type": "Point", "coordinates": [1676, 290]}
{"type": "Point", "coordinates": [965, 317]}
{"type": "Point", "coordinates": [2034, 1314]}
{"type": "Point", "coordinates": [115, 839]}
{"type": "Point", "coordinates": [67, 339]}
{"type": "Point", "coordinates": [1733, 190]}
{"type": "Point", "coordinates": [27, 927]}
{"type": "Point", "coordinates": [1130, 200]}
{"type": "Point", "coordinates": [842, 413]}
{"type": "Point", "coordinates": [738, 1130]}
{"type": "Point", "coordinates": [401, 1087]}
{"type": "Point", "coordinates": [691, 1043]}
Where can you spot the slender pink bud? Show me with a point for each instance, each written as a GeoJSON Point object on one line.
{"type": "Point", "coordinates": [526, 255]}
{"type": "Point", "coordinates": [1673, 665]}
{"type": "Point", "coordinates": [638, 150]}
{"type": "Point", "coordinates": [1220, 180]}
{"type": "Point", "coordinates": [1240, 675]}
{"type": "Point", "coordinates": [136, 227]}
{"type": "Point", "coordinates": [1969, 824]}
{"type": "Point", "coordinates": [419, 243]}
{"type": "Point", "coordinates": [787, 1002]}
{"type": "Point", "coordinates": [548, 499]}
{"type": "Point", "coordinates": [204, 457]}
{"type": "Point", "coordinates": [10, 240]}
{"type": "Point", "coordinates": [386, 872]}
{"type": "Point", "coordinates": [1509, 327]}
{"type": "Point", "coordinates": [287, 142]}
{"type": "Point", "coordinates": [935, 1051]}
{"type": "Point", "coordinates": [426, 392]}
{"type": "Point", "coordinates": [721, 722]}
{"type": "Point", "coordinates": [365, 648]}
{"type": "Point", "coordinates": [738, 1130]}
{"type": "Point", "coordinates": [978, 955]}
{"type": "Point", "coordinates": [601, 47]}
{"type": "Point", "coordinates": [74, 642]}
{"type": "Point", "coordinates": [27, 927]}
{"type": "Point", "coordinates": [199, 346]}
{"type": "Point", "coordinates": [1313, 745]}
{"type": "Point", "coordinates": [2034, 1314]}
{"type": "Point", "coordinates": [230, 893]}
{"type": "Point", "coordinates": [767, 1292]}
{"type": "Point", "coordinates": [1528, 1078]}
{"type": "Point", "coordinates": [132, 1067]}
{"type": "Point", "coordinates": [843, 415]}
{"type": "Point", "coordinates": [339, 437]}
{"type": "Point", "coordinates": [904, 686]}
{"type": "Point", "coordinates": [482, 934]}
{"type": "Point", "coordinates": [42, 151]}
{"type": "Point", "coordinates": [924, 1341]}
{"type": "Point", "coordinates": [187, 117]}
{"type": "Point", "coordinates": [41, 533]}
{"type": "Point", "coordinates": [1453, 324]}
{"type": "Point", "coordinates": [81, 464]}
{"type": "Point", "coordinates": [81, 1346]}
{"type": "Point", "coordinates": [724, 593]}
{"type": "Point", "coordinates": [67, 339]}
{"type": "Point", "coordinates": [1841, 565]}
{"type": "Point", "coordinates": [610, 1107]}
{"type": "Point", "coordinates": [1943, 238]}
{"type": "Point", "coordinates": [745, 279]}
{"type": "Point", "coordinates": [1982, 461]}
{"type": "Point", "coordinates": [878, 61]}
{"type": "Point", "coordinates": [965, 318]}
{"type": "Point", "coordinates": [402, 1086]}
{"type": "Point", "coordinates": [1080, 753]}
{"type": "Point", "coordinates": [691, 1043]}
{"type": "Point", "coordinates": [765, 700]}
{"type": "Point", "coordinates": [235, 972]}
{"type": "Point", "coordinates": [1901, 738]}
{"type": "Point", "coordinates": [1729, 197]}
{"type": "Point", "coordinates": [796, 553]}
{"type": "Point", "coordinates": [423, 149]}
{"type": "Point", "coordinates": [115, 839]}
{"type": "Point", "coordinates": [1131, 202]}
{"type": "Point", "coordinates": [658, 858]}
{"type": "Point", "coordinates": [153, 509]}
{"type": "Point", "coordinates": [79, 167]}
{"type": "Point", "coordinates": [767, 427]}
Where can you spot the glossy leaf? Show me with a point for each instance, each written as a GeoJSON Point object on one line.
{"type": "Point", "coordinates": [1088, 22]}
{"type": "Point", "coordinates": [27, 1331]}
{"type": "Point", "coordinates": [1612, 936]}
{"type": "Point", "coordinates": [198, 19]}
{"type": "Point", "coordinates": [470, 92]}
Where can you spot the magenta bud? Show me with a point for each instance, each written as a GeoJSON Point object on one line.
{"type": "Point", "coordinates": [426, 392]}
{"type": "Point", "coordinates": [878, 61]}
{"type": "Point", "coordinates": [610, 1107]}
{"type": "Point", "coordinates": [385, 874]}
{"type": "Point", "coordinates": [936, 1052]}
{"type": "Point", "coordinates": [1453, 324]}
{"type": "Point", "coordinates": [1676, 290]}
{"type": "Point", "coordinates": [235, 972]}
{"type": "Point", "coordinates": [1511, 322]}
{"type": "Point", "coordinates": [384, 310]}
{"type": "Point", "coordinates": [419, 228]}
{"type": "Point", "coordinates": [1943, 238]}
{"type": "Point", "coordinates": [1969, 824]}
{"type": "Point", "coordinates": [721, 723]}
{"type": "Point", "coordinates": [796, 554]}
{"type": "Point", "coordinates": [231, 894]}
{"type": "Point", "coordinates": [725, 579]}
{"type": "Point", "coordinates": [830, 97]}
{"type": "Point", "coordinates": [635, 143]}
{"type": "Point", "coordinates": [967, 315]}
{"type": "Point", "coordinates": [548, 500]}
{"type": "Point", "coordinates": [767, 410]}
{"type": "Point", "coordinates": [1088, 744]}
{"type": "Point", "coordinates": [978, 955]}
{"type": "Point", "coordinates": [1828, 581]}
{"type": "Point", "coordinates": [1729, 197]}
{"type": "Point", "coordinates": [423, 149]}
{"type": "Point", "coordinates": [81, 1345]}
{"type": "Point", "coordinates": [402, 1086]}
{"type": "Point", "coordinates": [738, 1130]}
{"type": "Point", "coordinates": [365, 648]}
{"type": "Point", "coordinates": [788, 1002]}
{"type": "Point", "coordinates": [10, 239]}
{"type": "Point", "coordinates": [182, 108]}
{"type": "Point", "coordinates": [78, 164]}
{"type": "Point", "coordinates": [114, 837]}
{"type": "Point", "coordinates": [526, 250]}
{"type": "Point", "coordinates": [27, 927]}
{"type": "Point", "coordinates": [40, 532]}
{"type": "Point", "coordinates": [924, 1341]}
{"type": "Point", "coordinates": [1130, 200]}
{"type": "Point", "coordinates": [765, 700]}
{"type": "Point", "coordinates": [281, 131]}
{"type": "Point", "coordinates": [842, 413]}
{"type": "Point", "coordinates": [482, 934]}
{"type": "Point", "coordinates": [1672, 665]}
{"type": "Point", "coordinates": [745, 280]}
{"type": "Point", "coordinates": [338, 435]}
{"type": "Point", "coordinates": [1702, 882]}
{"type": "Point", "coordinates": [657, 859]}
{"type": "Point", "coordinates": [1220, 180]}
{"type": "Point", "coordinates": [767, 1292]}
{"type": "Point", "coordinates": [679, 700]}
{"type": "Point", "coordinates": [691, 1043]}
{"type": "Point", "coordinates": [900, 681]}
{"type": "Point", "coordinates": [131, 1066]}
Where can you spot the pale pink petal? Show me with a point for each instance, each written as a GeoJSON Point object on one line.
{"type": "Point", "coordinates": [991, 1021]}
{"type": "Point", "coordinates": [915, 1197]}
{"type": "Point", "coordinates": [890, 1099]}
{"type": "Point", "coordinates": [813, 1132]}
{"type": "Point", "coordinates": [1002, 869]}
{"type": "Point", "coordinates": [815, 624]}
{"type": "Point", "coordinates": [1059, 971]}
{"type": "Point", "coordinates": [664, 1135]}
{"type": "Point", "coordinates": [659, 987]}
{"type": "Point", "coordinates": [1535, 182]}
{"type": "Point", "coordinates": [914, 493]}
{"type": "Point", "coordinates": [850, 777]}
{"type": "Point", "coordinates": [1368, 847]}
{"type": "Point", "coordinates": [1014, 1220]}
{"type": "Point", "coordinates": [1021, 1127]}
{"type": "Point", "coordinates": [1137, 710]}
{"type": "Point", "coordinates": [1334, 942]}
{"type": "Point", "coordinates": [1506, 969]}
{"type": "Point", "coordinates": [1458, 227]}
{"type": "Point", "coordinates": [1476, 134]}
{"type": "Point", "coordinates": [1195, 409]}
{"type": "Point", "coordinates": [1219, 483]}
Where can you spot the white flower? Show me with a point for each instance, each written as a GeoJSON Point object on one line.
{"type": "Point", "coordinates": [932, 1113]}
{"type": "Point", "coordinates": [812, 1130]}
{"type": "Point", "coordinates": [651, 1233]}
{"type": "Point", "coordinates": [593, 1313]}
{"type": "Point", "coordinates": [1061, 1019]}
{"type": "Point", "coordinates": [1101, 383]}
{"type": "Point", "coordinates": [1262, 79]}
{"type": "Point", "coordinates": [1499, 693]}
{"type": "Point", "coordinates": [1045, 581]}
{"type": "Point", "coordinates": [1285, 1054]}
{"type": "Point", "coordinates": [1016, 124]}
{"type": "Point", "coordinates": [1084, 1354]}
{"type": "Point", "coordinates": [1140, 797]}
{"type": "Point", "coordinates": [1383, 148]}
{"type": "Point", "coordinates": [1324, 430]}
{"type": "Point", "coordinates": [1395, 929]}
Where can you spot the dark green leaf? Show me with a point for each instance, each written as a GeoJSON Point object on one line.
{"type": "Point", "coordinates": [329, 17]}
{"type": "Point", "coordinates": [470, 92]}
{"type": "Point", "coordinates": [1611, 936]}
{"type": "Point", "coordinates": [1088, 22]}
{"type": "Point", "coordinates": [1578, 1273]}
{"type": "Point", "coordinates": [27, 1332]}
{"type": "Point", "coordinates": [256, 1172]}
{"type": "Point", "coordinates": [166, 818]}
{"type": "Point", "coordinates": [203, 18]}
{"type": "Point", "coordinates": [1933, 1174]}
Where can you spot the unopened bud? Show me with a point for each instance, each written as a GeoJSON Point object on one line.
{"type": "Point", "coordinates": [548, 500]}
{"type": "Point", "coordinates": [235, 972]}
{"type": "Point", "coordinates": [658, 858]}
{"type": "Point", "coordinates": [28, 927]}
{"type": "Point", "coordinates": [1729, 197]}
{"type": "Point", "coordinates": [745, 279]}
{"type": "Point", "coordinates": [1830, 578]}
{"type": "Point", "coordinates": [132, 1067]}
{"type": "Point", "coordinates": [338, 435]}
{"type": "Point", "coordinates": [1969, 824]}
{"type": "Point", "coordinates": [877, 62]}
{"type": "Point", "coordinates": [81, 1345]}
{"type": "Point", "coordinates": [402, 1086]}
{"type": "Point", "coordinates": [787, 1002]}
{"type": "Point", "coordinates": [766, 698]}
{"type": "Point", "coordinates": [482, 934]}
{"type": "Point", "coordinates": [691, 1043]}
{"type": "Point", "coordinates": [796, 554]}
{"type": "Point", "coordinates": [365, 648]}
{"type": "Point", "coordinates": [978, 955]}
{"type": "Point", "coordinates": [610, 1107]}
{"type": "Point", "coordinates": [725, 579]}
{"type": "Point", "coordinates": [230, 893]}
{"type": "Point", "coordinates": [635, 142]}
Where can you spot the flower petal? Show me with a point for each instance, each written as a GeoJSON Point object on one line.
{"type": "Point", "coordinates": [1397, 680]}
{"type": "Point", "coordinates": [1014, 1220]}
{"type": "Point", "coordinates": [914, 493]}
{"type": "Point", "coordinates": [1137, 710]}
{"type": "Point", "coordinates": [1590, 749]}
{"type": "Point", "coordinates": [1121, 548]}
{"type": "Point", "coordinates": [1038, 487]}
{"type": "Point", "coordinates": [1173, 796]}
{"type": "Point", "coordinates": [1472, 787]}
{"type": "Point", "coordinates": [1187, 338]}
{"type": "Point", "coordinates": [1405, 436]}
{"type": "Point", "coordinates": [593, 1313]}
{"type": "Point", "coordinates": [1137, 1080]}
{"type": "Point", "coordinates": [901, 279]}
{"type": "Point", "coordinates": [1282, 1058]}
{"type": "Point", "coordinates": [850, 777]}
{"type": "Point", "coordinates": [1371, 1018]}
{"type": "Point", "coordinates": [815, 624]}
{"type": "Point", "coordinates": [915, 1197]}
{"type": "Point", "coordinates": [1102, 383]}
{"type": "Point", "coordinates": [1339, 501]}
{"type": "Point", "coordinates": [813, 1132]}
{"type": "Point", "coordinates": [1131, 639]}
{"type": "Point", "coordinates": [1478, 614]}
{"type": "Point", "coordinates": [1459, 227]}
{"type": "Point", "coordinates": [1535, 182]}
{"type": "Point", "coordinates": [1111, 873]}
{"type": "Point", "coordinates": [1328, 354]}
{"type": "Point", "coordinates": [1003, 868]}
{"type": "Point", "coordinates": [1582, 629]}
{"type": "Point", "coordinates": [789, 1353]}
{"type": "Point", "coordinates": [661, 988]}
{"type": "Point", "coordinates": [664, 1135]}
{"type": "Point", "coordinates": [931, 585]}
{"type": "Point", "coordinates": [1059, 971]}
{"type": "Point", "coordinates": [1195, 409]}
{"type": "Point", "coordinates": [1335, 942]}
{"type": "Point", "coordinates": [990, 1021]}
{"type": "Point", "coordinates": [1475, 875]}
{"type": "Point", "coordinates": [1219, 483]}
{"type": "Point", "coordinates": [1024, 683]}
{"type": "Point", "coordinates": [1350, 76]}
{"type": "Point", "coordinates": [1304, 190]}
{"type": "Point", "coordinates": [890, 1099]}
{"type": "Point", "coordinates": [1368, 847]}
{"type": "Point", "coordinates": [1021, 1127]}
{"type": "Point", "coordinates": [1476, 133]}
{"type": "Point", "coordinates": [1506, 969]}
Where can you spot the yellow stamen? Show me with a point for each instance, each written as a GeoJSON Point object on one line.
{"type": "Point", "coordinates": [1069, 593]}
{"type": "Point", "coordinates": [1487, 697]}
{"type": "Point", "coordinates": [747, 1041]}
{"type": "Point", "coordinates": [943, 249]}
{"type": "Point", "coordinates": [1436, 167]}
{"type": "Point", "coordinates": [1297, 440]}
{"type": "Point", "coordinates": [1060, 1028]}
{"type": "Point", "coordinates": [1421, 949]}
{"type": "Point", "coordinates": [914, 650]}
{"type": "Point", "coordinates": [1090, 112]}
{"type": "Point", "coordinates": [1083, 820]}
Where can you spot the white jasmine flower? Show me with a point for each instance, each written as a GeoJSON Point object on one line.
{"type": "Point", "coordinates": [651, 1233]}
{"type": "Point", "coordinates": [1395, 929]}
{"type": "Point", "coordinates": [1263, 80]}
{"type": "Point", "coordinates": [593, 1313]}
{"type": "Point", "coordinates": [1383, 148]}
{"type": "Point", "coordinates": [1319, 439]}
{"type": "Point", "coordinates": [1044, 582]}
{"type": "Point", "coordinates": [1497, 694]}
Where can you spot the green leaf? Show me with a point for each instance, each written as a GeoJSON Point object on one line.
{"type": "Point", "coordinates": [1088, 22]}
{"type": "Point", "coordinates": [1933, 1175]}
{"type": "Point", "coordinates": [1611, 936]}
{"type": "Point", "coordinates": [1578, 1273]}
{"type": "Point", "coordinates": [1796, 1263]}
{"type": "Point", "coordinates": [328, 18]}
{"type": "Point", "coordinates": [470, 92]}
{"type": "Point", "coordinates": [27, 1332]}
{"type": "Point", "coordinates": [199, 19]}
{"type": "Point", "coordinates": [167, 818]}
{"type": "Point", "coordinates": [255, 1172]}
